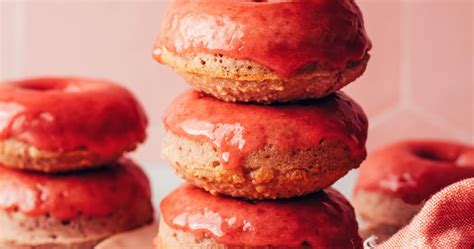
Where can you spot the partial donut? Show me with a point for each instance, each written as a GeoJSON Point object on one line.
{"type": "Point", "coordinates": [264, 152]}
{"type": "Point", "coordinates": [77, 210]}
{"type": "Point", "coordinates": [396, 180]}
{"type": "Point", "coordinates": [65, 124]}
{"type": "Point", "coordinates": [192, 218]}
{"type": "Point", "coordinates": [264, 51]}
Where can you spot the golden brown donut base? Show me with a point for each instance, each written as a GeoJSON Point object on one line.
{"type": "Point", "coordinates": [19, 231]}
{"type": "Point", "coordinates": [268, 173]}
{"type": "Point", "coordinates": [169, 238]}
{"type": "Point", "coordinates": [19, 155]}
{"type": "Point", "coordinates": [382, 214]}
{"type": "Point", "coordinates": [234, 80]}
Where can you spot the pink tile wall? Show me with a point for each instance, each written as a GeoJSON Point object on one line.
{"type": "Point", "coordinates": [9, 33]}
{"type": "Point", "coordinates": [380, 83]}
{"type": "Point", "coordinates": [419, 82]}
{"type": "Point", "coordinates": [441, 61]}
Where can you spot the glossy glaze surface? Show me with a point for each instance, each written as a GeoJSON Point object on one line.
{"type": "Point", "coordinates": [415, 170]}
{"type": "Point", "coordinates": [95, 193]}
{"type": "Point", "coordinates": [281, 35]}
{"type": "Point", "coordinates": [67, 114]}
{"type": "Point", "coordinates": [322, 220]}
{"type": "Point", "coordinates": [236, 129]}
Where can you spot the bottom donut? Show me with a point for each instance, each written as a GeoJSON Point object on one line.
{"type": "Point", "coordinates": [73, 211]}
{"type": "Point", "coordinates": [193, 218]}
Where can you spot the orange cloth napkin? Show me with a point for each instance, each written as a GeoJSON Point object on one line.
{"type": "Point", "coordinates": [445, 221]}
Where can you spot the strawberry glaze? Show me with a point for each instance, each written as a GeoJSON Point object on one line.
{"type": "Point", "coordinates": [281, 35]}
{"type": "Point", "coordinates": [236, 130]}
{"type": "Point", "coordinates": [415, 170]}
{"type": "Point", "coordinates": [67, 114]}
{"type": "Point", "coordinates": [322, 220]}
{"type": "Point", "coordinates": [96, 193]}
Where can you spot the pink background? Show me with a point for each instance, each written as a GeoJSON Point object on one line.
{"type": "Point", "coordinates": [419, 83]}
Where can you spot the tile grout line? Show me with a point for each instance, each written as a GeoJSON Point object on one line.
{"type": "Point", "coordinates": [405, 70]}
{"type": "Point", "coordinates": [386, 115]}
{"type": "Point", "coordinates": [438, 121]}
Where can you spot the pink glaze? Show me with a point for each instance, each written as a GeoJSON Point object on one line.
{"type": "Point", "coordinates": [281, 35]}
{"type": "Point", "coordinates": [67, 114]}
{"type": "Point", "coordinates": [322, 220]}
{"type": "Point", "coordinates": [96, 193]}
{"type": "Point", "coordinates": [236, 130]}
{"type": "Point", "coordinates": [415, 170]}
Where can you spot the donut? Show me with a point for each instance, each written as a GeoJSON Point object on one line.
{"type": "Point", "coordinates": [264, 51]}
{"type": "Point", "coordinates": [61, 124]}
{"type": "Point", "coordinates": [193, 218]}
{"type": "Point", "coordinates": [260, 151]}
{"type": "Point", "coordinates": [396, 180]}
{"type": "Point", "coordinates": [77, 210]}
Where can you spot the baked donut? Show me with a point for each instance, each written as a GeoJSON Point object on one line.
{"type": "Point", "coordinates": [264, 51]}
{"type": "Point", "coordinates": [395, 181]}
{"type": "Point", "coordinates": [64, 124]}
{"type": "Point", "coordinates": [260, 151]}
{"type": "Point", "coordinates": [39, 211]}
{"type": "Point", "coordinates": [192, 218]}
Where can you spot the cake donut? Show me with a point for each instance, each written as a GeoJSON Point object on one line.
{"type": "Point", "coordinates": [192, 218]}
{"type": "Point", "coordinates": [260, 151]}
{"type": "Point", "coordinates": [395, 181]}
{"type": "Point", "coordinates": [264, 51]}
{"type": "Point", "coordinates": [39, 211]}
{"type": "Point", "coordinates": [64, 124]}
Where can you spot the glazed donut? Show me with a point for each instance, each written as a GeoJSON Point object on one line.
{"type": "Point", "coordinates": [264, 152]}
{"type": "Point", "coordinates": [264, 51]}
{"type": "Point", "coordinates": [395, 181]}
{"type": "Point", "coordinates": [64, 124]}
{"type": "Point", "coordinates": [192, 218]}
{"type": "Point", "coordinates": [71, 210]}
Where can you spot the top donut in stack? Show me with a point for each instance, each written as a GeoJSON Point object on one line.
{"type": "Point", "coordinates": [265, 51]}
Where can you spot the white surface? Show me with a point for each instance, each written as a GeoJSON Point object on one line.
{"type": "Point", "coordinates": [163, 181]}
{"type": "Point", "coordinates": [137, 239]}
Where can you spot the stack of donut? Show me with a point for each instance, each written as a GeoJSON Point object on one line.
{"type": "Point", "coordinates": [63, 180]}
{"type": "Point", "coordinates": [265, 133]}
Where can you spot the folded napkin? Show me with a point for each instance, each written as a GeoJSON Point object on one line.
{"type": "Point", "coordinates": [445, 221]}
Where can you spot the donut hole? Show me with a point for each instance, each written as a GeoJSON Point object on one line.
{"type": "Point", "coordinates": [432, 155]}
{"type": "Point", "coordinates": [43, 85]}
{"type": "Point", "coordinates": [66, 222]}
